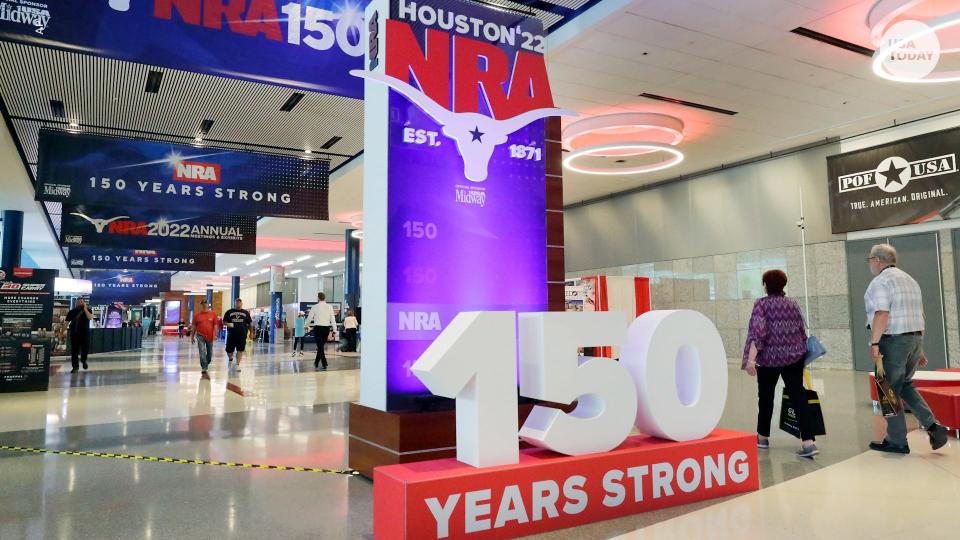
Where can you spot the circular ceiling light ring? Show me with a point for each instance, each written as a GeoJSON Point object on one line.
{"type": "Point", "coordinates": [675, 159]}
{"type": "Point", "coordinates": [930, 27]}
{"type": "Point", "coordinates": [885, 13]}
{"type": "Point", "coordinates": [670, 125]}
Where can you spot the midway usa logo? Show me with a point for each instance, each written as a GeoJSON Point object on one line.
{"type": "Point", "coordinates": [895, 173]}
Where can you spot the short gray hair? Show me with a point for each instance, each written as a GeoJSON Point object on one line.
{"type": "Point", "coordinates": [885, 253]}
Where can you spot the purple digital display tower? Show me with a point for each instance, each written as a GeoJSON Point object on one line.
{"type": "Point", "coordinates": [454, 201]}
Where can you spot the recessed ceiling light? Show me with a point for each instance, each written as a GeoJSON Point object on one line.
{"type": "Point", "coordinates": [303, 258]}
{"type": "Point", "coordinates": [338, 260]}
{"type": "Point", "coordinates": [264, 256]}
{"type": "Point", "coordinates": [312, 276]}
{"type": "Point", "coordinates": [251, 261]}
{"type": "Point", "coordinates": [153, 82]}
{"type": "Point", "coordinates": [286, 263]}
{"type": "Point", "coordinates": [327, 272]}
{"type": "Point", "coordinates": [295, 272]}
{"type": "Point", "coordinates": [291, 102]}
{"type": "Point", "coordinates": [74, 125]}
{"type": "Point", "coordinates": [329, 144]}
{"type": "Point", "coordinates": [321, 265]}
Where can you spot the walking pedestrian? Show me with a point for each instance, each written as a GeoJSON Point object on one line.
{"type": "Point", "coordinates": [79, 319]}
{"type": "Point", "coordinates": [205, 326]}
{"type": "Point", "coordinates": [323, 322]}
{"type": "Point", "coordinates": [299, 325]}
{"type": "Point", "coordinates": [350, 328]}
{"type": "Point", "coordinates": [180, 327]}
{"type": "Point", "coordinates": [775, 347]}
{"type": "Point", "coordinates": [894, 305]}
{"type": "Point", "coordinates": [238, 323]}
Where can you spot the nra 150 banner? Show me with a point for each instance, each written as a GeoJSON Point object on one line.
{"type": "Point", "coordinates": [140, 259]}
{"type": "Point", "coordinates": [461, 131]}
{"type": "Point", "coordinates": [129, 173]}
{"type": "Point", "coordinates": [908, 181]}
{"type": "Point", "coordinates": [126, 287]}
{"type": "Point", "coordinates": [310, 44]}
{"type": "Point", "coordinates": [133, 228]}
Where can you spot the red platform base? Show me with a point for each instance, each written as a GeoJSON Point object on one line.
{"type": "Point", "coordinates": [945, 404]}
{"type": "Point", "coordinates": [547, 491]}
{"type": "Point", "coordinates": [941, 378]}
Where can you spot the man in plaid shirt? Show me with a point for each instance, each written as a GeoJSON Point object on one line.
{"type": "Point", "coordinates": [895, 318]}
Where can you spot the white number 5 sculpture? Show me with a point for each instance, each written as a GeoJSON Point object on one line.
{"type": "Point", "coordinates": [671, 380]}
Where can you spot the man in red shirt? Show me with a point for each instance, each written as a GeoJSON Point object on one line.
{"type": "Point", "coordinates": [205, 327]}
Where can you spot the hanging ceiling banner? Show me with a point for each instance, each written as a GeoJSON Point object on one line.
{"type": "Point", "coordinates": [130, 173]}
{"type": "Point", "coordinates": [104, 258]}
{"type": "Point", "coordinates": [136, 228]}
{"type": "Point", "coordinates": [909, 181]}
{"type": "Point", "coordinates": [307, 44]}
{"type": "Point", "coordinates": [126, 287]}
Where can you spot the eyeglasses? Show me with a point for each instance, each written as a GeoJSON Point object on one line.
{"type": "Point", "coordinates": [872, 258]}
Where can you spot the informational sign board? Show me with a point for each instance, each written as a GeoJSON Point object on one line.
{"type": "Point", "coordinates": [26, 328]}
{"type": "Point", "coordinates": [454, 186]}
{"type": "Point", "coordinates": [126, 287]}
{"type": "Point", "coordinates": [104, 258]}
{"type": "Point", "coordinates": [309, 44]}
{"type": "Point", "coordinates": [131, 173]}
{"type": "Point", "coordinates": [909, 181]}
{"type": "Point", "coordinates": [133, 228]}
{"type": "Point", "coordinates": [26, 301]}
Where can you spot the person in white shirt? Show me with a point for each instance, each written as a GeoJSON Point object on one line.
{"type": "Point", "coordinates": [894, 306]}
{"type": "Point", "coordinates": [350, 326]}
{"type": "Point", "coordinates": [322, 321]}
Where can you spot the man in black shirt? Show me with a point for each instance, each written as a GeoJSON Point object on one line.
{"type": "Point", "coordinates": [237, 321]}
{"type": "Point", "coordinates": [79, 319]}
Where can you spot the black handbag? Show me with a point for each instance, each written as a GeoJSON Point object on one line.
{"type": "Point", "coordinates": [788, 416]}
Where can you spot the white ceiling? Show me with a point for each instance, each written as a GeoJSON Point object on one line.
{"type": "Point", "coordinates": [737, 55]}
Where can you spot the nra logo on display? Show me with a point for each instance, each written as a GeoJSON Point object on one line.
{"type": "Point", "coordinates": [126, 280]}
{"type": "Point", "coordinates": [192, 171]}
{"type": "Point", "coordinates": [128, 227]}
{"type": "Point", "coordinates": [144, 253]}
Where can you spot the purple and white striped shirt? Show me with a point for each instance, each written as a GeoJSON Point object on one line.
{"type": "Point", "coordinates": [777, 328]}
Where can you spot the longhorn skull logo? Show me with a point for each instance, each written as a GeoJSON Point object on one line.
{"type": "Point", "coordinates": [476, 135]}
{"type": "Point", "coordinates": [98, 224]}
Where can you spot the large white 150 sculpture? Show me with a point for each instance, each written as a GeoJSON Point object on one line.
{"type": "Point", "coordinates": [671, 381]}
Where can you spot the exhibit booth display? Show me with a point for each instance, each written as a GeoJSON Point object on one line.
{"type": "Point", "coordinates": [626, 294]}
{"type": "Point", "coordinates": [457, 330]}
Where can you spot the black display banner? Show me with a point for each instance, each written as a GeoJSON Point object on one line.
{"type": "Point", "coordinates": [126, 287]}
{"type": "Point", "coordinates": [26, 301]}
{"type": "Point", "coordinates": [908, 181]}
{"type": "Point", "coordinates": [130, 173]}
{"type": "Point", "coordinates": [138, 228]}
{"type": "Point", "coordinates": [140, 259]}
{"type": "Point", "coordinates": [26, 328]}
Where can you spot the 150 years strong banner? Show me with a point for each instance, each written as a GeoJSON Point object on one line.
{"type": "Point", "coordinates": [129, 173]}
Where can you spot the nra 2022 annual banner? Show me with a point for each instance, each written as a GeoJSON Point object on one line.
{"type": "Point", "coordinates": [139, 228]}
{"type": "Point", "coordinates": [310, 44]}
{"type": "Point", "coordinates": [104, 258]}
{"type": "Point", "coordinates": [129, 173]}
{"type": "Point", "coordinates": [904, 182]}
{"type": "Point", "coordinates": [126, 287]}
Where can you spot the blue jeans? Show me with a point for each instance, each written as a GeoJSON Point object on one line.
{"type": "Point", "coordinates": [206, 351]}
{"type": "Point", "coordinates": [900, 357]}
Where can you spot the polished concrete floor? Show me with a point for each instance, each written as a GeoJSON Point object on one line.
{"type": "Point", "coordinates": [279, 411]}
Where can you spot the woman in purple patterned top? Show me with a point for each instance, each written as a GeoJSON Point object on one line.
{"type": "Point", "coordinates": [775, 347]}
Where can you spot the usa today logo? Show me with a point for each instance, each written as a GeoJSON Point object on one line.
{"type": "Point", "coordinates": [894, 173]}
{"type": "Point", "coordinates": [909, 52]}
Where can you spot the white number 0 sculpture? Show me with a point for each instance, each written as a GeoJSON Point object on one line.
{"type": "Point", "coordinates": [671, 381]}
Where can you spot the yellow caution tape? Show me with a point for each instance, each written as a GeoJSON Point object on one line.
{"type": "Point", "coordinates": [28, 450]}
